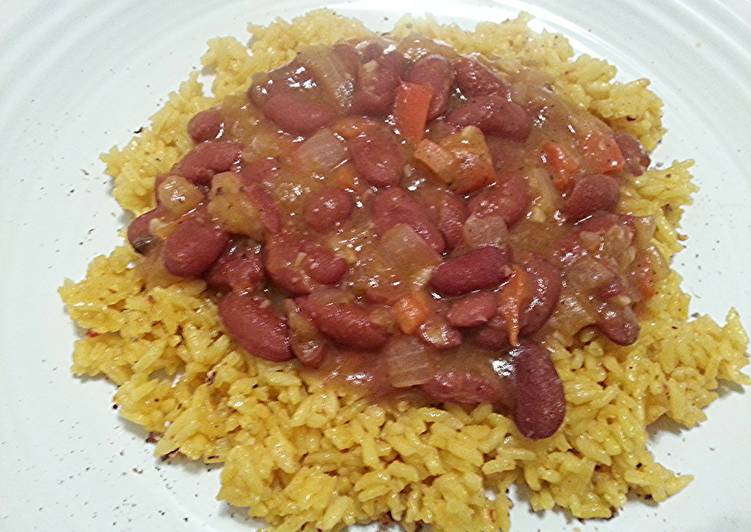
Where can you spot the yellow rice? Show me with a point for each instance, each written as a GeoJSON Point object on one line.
{"type": "Point", "coordinates": [303, 457]}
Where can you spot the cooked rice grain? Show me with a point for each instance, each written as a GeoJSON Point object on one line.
{"type": "Point", "coordinates": [304, 457]}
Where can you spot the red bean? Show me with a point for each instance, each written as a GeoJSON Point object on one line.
{"type": "Point", "coordinates": [206, 125]}
{"type": "Point", "coordinates": [467, 387]}
{"type": "Point", "coordinates": [271, 217]}
{"type": "Point", "coordinates": [436, 72]}
{"type": "Point", "coordinates": [295, 113]}
{"type": "Point", "coordinates": [546, 279]}
{"type": "Point", "coordinates": [377, 157]}
{"type": "Point", "coordinates": [592, 193]}
{"type": "Point", "coordinates": [619, 324]}
{"type": "Point", "coordinates": [255, 327]}
{"type": "Point", "coordinates": [259, 171]}
{"type": "Point", "coordinates": [377, 83]}
{"type": "Point", "coordinates": [508, 199]}
{"type": "Point", "coordinates": [347, 324]}
{"type": "Point", "coordinates": [540, 404]}
{"type": "Point", "coordinates": [448, 212]}
{"type": "Point", "coordinates": [348, 56]}
{"type": "Point", "coordinates": [475, 79]}
{"type": "Point", "coordinates": [278, 81]}
{"type": "Point", "coordinates": [494, 115]}
{"type": "Point", "coordinates": [437, 333]}
{"type": "Point", "coordinates": [636, 158]}
{"type": "Point", "coordinates": [473, 310]}
{"type": "Point", "coordinates": [328, 208]}
{"type": "Point", "coordinates": [207, 159]}
{"type": "Point", "coordinates": [193, 247]}
{"type": "Point", "coordinates": [394, 206]}
{"type": "Point", "coordinates": [323, 265]}
{"type": "Point", "coordinates": [478, 269]}
{"type": "Point", "coordinates": [299, 266]}
{"type": "Point", "coordinates": [493, 335]}
{"type": "Point", "coordinates": [240, 268]}
{"type": "Point", "coordinates": [282, 257]}
{"type": "Point", "coordinates": [139, 233]}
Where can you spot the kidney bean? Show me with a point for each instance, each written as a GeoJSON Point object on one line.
{"type": "Point", "coordinates": [436, 72]}
{"type": "Point", "coordinates": [193, 247]}
{"type": "Point", "coordinates": [494, 115]}
{"type": "Point", "coordinates": [540, 405]}
{"type": "Point", "coordinates": [473, 310]}
{"type": "Point", "coordinates": [328, 208]}
{"type": "Point", "coordinates": [208, 159]}
{"type": "Point", "coordinates": [347, 324]}
{"type": "Point", "coordinates": [508, 199]}
{"type": "Point", "coordinates": [139, 233]}
{"type": "Point", "coordinates": [592, 193]}
{"type": "Point", "coordinates": [546, 279]}
{"type": "Point", "coordinates": [437, 333]}
{"type": "Point", "coordinates": [493, 335]}
{"type": "Point", "coordinates": [348, 57]}
{"type": "Point", "coordinates": [299, 266]}
{"type": "Point", "coordinates": [377, 157]}
{"type": "Point", "coordinates": [259, 171]}
{"type": "Point", "coordinates": [206, 125]}
{"type": "Point", "coordinates": [478, 269]}
{"type": "Point", "coordinates": [394, 206]}
{"type": "Point", "coordinates": [278, 81]}
{"type": "Point", "coordinates": [239, 268]}
{"type": "Point", "coordinates": [295, 113]}
{"type": "Point", "coordinates": [619, 324]}
{"type": "Point", "coordinates": [255, 327]}
{"type": "Point", "coordinates": [377, 83]}
{"type": "Point", "coordinates": [475, 79]}
{"type": "Point", "coordinates": [636, 158]}
{"type": "Point", "coordinates": [448, 212]}
{"type": "Point", "coordinates": [323, 265]}
{"type": "Point", "coordinates": [283, 258]}
{"type": "Point", "coordinates": [270, 215]}
{"type": "Point", "coordinates": [467, 387]}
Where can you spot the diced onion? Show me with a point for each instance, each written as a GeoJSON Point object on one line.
{"type": "Point", "coordinates": [322, 152]}
{"type": "Point", "coordinates": [485, 231]}
{"type": "Point", "coordinates": [408, 362]}
{"type": "Point", "coordinates": [408, 252]}
{"type": "Point", "coordinates": [330, 74]}
{"type": "Point", "coordinates": [549, 198]}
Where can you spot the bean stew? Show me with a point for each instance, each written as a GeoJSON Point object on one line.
{"type": "Point", "coordinates": [404, 219]}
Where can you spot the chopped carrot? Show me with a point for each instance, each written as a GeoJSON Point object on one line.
{"type": "Point", "coordinates": [601, 152]}
{"type": "Point", "coordinates": [411, 311]}
{"type": "Point", "coordinates": [562, 163]}
{"type": "Point", "coordinates": [440, 161]}
{"type": "Point", "coordinates": [411, 110]}
{"type": "Point", "coordinates": [473, 160]}
{"type": "Point", "coordinates": [512, 299]}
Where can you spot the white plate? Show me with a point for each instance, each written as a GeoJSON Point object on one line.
{"type": "Point", "coordinates": [79, 76]}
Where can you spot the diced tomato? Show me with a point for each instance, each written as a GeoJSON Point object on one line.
{"type": "Point", "coordinates": [411, 311]}
{"type": "Point", "coordinates": [411, 110]}
{"type": "Point", "coordinates": [512, 299]}
{"type": "Point", "coordinates": [601, 153]}
{"type": "Point", "coordinates": [562, 163]}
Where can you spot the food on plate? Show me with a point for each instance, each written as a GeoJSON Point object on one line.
{"type": "Point", "coordinates": [378, 275]}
